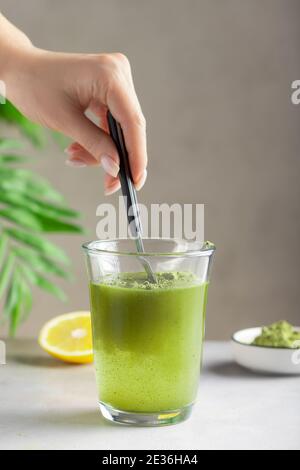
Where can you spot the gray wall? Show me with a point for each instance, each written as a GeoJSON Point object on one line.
{"type": "Point", "coordinates": [214, 81]}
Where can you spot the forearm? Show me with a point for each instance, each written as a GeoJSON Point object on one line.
{"type": "Point", "coordinates": [13, 45]}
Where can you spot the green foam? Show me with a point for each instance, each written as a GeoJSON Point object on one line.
{"type": "Point", "coordinates": [148, 340]}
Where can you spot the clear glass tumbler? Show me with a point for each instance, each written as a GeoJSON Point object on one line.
{"type": "Point", "coordinates": [148, 337]}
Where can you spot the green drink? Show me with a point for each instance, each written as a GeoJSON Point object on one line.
{"type": "Point", "coordinates": [148, 334]}
{"type": "Point", "coordinates": [148, 340]}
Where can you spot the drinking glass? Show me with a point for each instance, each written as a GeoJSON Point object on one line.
{"type": "Point", "coordinates": [148, 336]}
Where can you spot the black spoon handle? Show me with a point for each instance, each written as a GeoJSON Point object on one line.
{"type": "Point", "coordinates": [128, 191]}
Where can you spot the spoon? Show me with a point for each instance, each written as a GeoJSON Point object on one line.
{"type": "Point", "coordinates": [129, 193]}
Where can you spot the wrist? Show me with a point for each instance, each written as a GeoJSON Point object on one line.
{"type": "Point", "coordinates": [11, 57]}
{"type": "Point", "coordinates": [14, 44]}
{"type": "Point", "coordinates": [14, 66]}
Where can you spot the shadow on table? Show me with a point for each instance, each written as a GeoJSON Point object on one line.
{"type": "Point", "coordinates": [52, 420]}
{"type": "Point", "coordinates": [231, 369]}
{"type": "Point", "coordinates": [39, 361]}
{"type": "Point", "coordinates": [89, 419]}
{"type": "Point", "coordinates": [228, 369]}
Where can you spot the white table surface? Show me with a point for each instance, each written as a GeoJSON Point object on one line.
{"type": "Point", "coordinates": [45, 404]}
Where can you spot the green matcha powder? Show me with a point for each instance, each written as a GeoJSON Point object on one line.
{"type": "Point", "coordinates": [279, 335]}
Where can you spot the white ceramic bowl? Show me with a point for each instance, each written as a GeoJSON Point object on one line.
{"type": "Point", "coordinates": [263, 358]}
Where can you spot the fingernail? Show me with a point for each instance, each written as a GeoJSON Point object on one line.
{"type": "Point", "coordinates": [141, 181]}
{"type": "Point", "coordinates": [75, 163]}
{"type": "Point", "coordinates": [112, 190]}
{"type": "Point", "coordinates": [69, 151]}
{"type": "Point", "coordinates": [111, 167]}
{"type": "Point", "coordinates": [72, 148]}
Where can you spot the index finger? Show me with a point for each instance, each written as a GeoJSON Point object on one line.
{"type": "Point", "coordinates": [124, 106]}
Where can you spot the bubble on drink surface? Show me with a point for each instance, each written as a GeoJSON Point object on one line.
{"type": "Point", "coordinates": [139, 280]}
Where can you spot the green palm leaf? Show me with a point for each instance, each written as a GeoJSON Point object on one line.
{"type": "Point", "coordinates": [40, 263]}
{"type": "Point", "coordinates": [5, 273]}
{"type": "Point", "coordinates": [25, 181]}
{"type": "Point", "coordinates": [19, 302]}
{"type": "Point", "coordinates": [40, 281]}
{"type": "Point", "coordinates": [21, 217]}
{"type": "Point", "coordinates": [11, 158]}
{"type": "Point", "coordinates": [9, 144]}
{"type": "Point", "coordinates": [13, 306]}
{"type": "Point", "coordinates": [31, 130]}
{"type": "Point", "coordinates": [40, 244]}
{"type": "Point", "coordinates": [37, 206]}
{"type": "Point", "coordinates": [29, 207]}
{"type": "Point", "coordinates": [27, 299]}
{"type": "Point", "coordinates": [51, 209]}
{"type": "Point", "coordinates": [37, 222]}
{"type": "Point", "coordinates": [3, 245]}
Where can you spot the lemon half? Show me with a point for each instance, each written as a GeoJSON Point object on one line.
{"type": "Point", "coordinates": [69, 337]}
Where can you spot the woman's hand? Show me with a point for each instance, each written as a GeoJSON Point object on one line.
{"type": "Point", "coordinates": [56, 89]}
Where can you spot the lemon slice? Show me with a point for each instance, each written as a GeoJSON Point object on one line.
{"type": "Point", "coordinates": [68, 337]}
